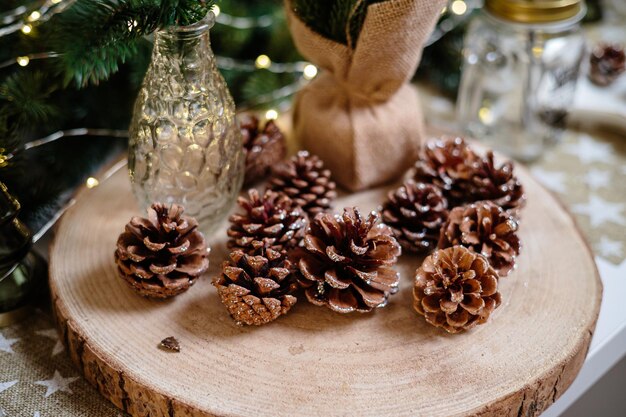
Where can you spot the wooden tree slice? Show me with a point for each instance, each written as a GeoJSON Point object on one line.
{"type": "Point", "coordinates": [314, 361]}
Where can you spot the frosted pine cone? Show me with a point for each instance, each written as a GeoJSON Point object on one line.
{"type": "Point", "coordinates": [456, 289]}
{"type": "Point", "coordinates": [347, 262]}
{"type": "Point", "coordinates": [304, 179]}
{"type": "Point", "coordinates": [264, 146]}
{"type": "Point", "coordinates": [448, 164]}
{"type": "Point", "coordinates": [497, 184]}
{"type": "Point", "coordinates": [607, 63]}
{"type": "Point", "coordinates": [272, 219]}
{"type": "Point", "coordinates": [161, 256]}
{"type": "Point", "coordinates": [415, 213]}
{"type": "Point", "coordinates": [257, 289]}
{"type": "Point", "coordinates": [484, 228]}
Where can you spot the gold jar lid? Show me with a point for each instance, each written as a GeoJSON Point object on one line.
{"type": "Point", "coordinates": [535, 11]}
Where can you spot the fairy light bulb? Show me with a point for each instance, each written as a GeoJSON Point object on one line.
{"type": "Point", "coordinates": [271, 114]}
{"type": "Point", "coordinates": [22, 61]}
{"type": "Point", "coordinates": [309, 72]}
{"type": "Point", "coordinates": [92, 182]}
{"type": "Point", "coordinates": [263, 62]}
{"type": "Point", "coordinates": [56, 1]}
{"type": "Point", "coordinates": [27, 29]}
{"type": "Point", "coordinates": [458, 7]}
{"type": "Point", "coordinates": [216, 10]}
{"type": "Point", "coordinates": [34, 16]}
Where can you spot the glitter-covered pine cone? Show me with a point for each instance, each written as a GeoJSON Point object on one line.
{"type": "Point", "coordinates": [415, 213]}
{"type": "Point", "coordinates": [465, 177]}
{"type": "Point", "coordinates": [449, 165]}
{"type": "Point", "coordinates": [456, 289]}
{"type": "Point", "coordinates": [304, 179]}
{"type": "Point", "coordinates": [162, 255]}
{"type": "Point", "coordinates": [498, 184]}
{"type": "Point", "coordinates": [607, 63]}
{"type": "Point", "coordinates": [346, 263]}
{"type": "Point", "coordinates": [271, 219]}
{"type": "Point", "coordinates": [264, 146]}
{"type": "Point", "coordinates": [484, 228]}
{"type": "Point", "coordinates": [257, 289]}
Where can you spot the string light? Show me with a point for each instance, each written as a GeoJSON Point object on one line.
{"type": "Point", "coordinates": [458, 7]}
{"type": "Point", "coordinates": [92, 182]}
{"type": "Point", "coordinates": [26, 29]}
{"type": "Point", "coordinates": [22, 61]}
{"type": "Point", "coordinates": [263, 62]}
{"type": "Point", "coordinates": [309, 72]}
{"type": "Point", "coordinates": [271, 114]}
{"type": "Point", "coordinates": [216, 10]}
{"type": "Point", "coordinates": [34, 16]}
{"type": "Point", "coordinates": [55, 1]}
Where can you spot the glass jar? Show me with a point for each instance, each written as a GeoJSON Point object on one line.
{"type": "Point", "coordinates": [185, 145]}
{"type": "Point", "coordinates": [521, 66]}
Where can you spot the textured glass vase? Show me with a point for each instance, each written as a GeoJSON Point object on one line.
{"type": "Point", "coordinates": [185, 145]}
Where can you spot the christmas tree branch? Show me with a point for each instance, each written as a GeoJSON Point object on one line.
{"type": "Point", "coordinates": [94, 36]}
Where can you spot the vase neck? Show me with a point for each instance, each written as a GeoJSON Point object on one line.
{"type": "Point", "coordinates": [185, 40]}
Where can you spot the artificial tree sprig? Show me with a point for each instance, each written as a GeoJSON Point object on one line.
{"type": "Point", "coordinates": [339, 20]}
{"type": "Point", "coordinates": [94, 36]}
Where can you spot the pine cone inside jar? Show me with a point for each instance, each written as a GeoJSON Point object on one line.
{"type": "Point", "coordinates": [162, 255]}
{"type": "Point", "coordinates": [456, 289]}
{"type": "Point", "coordinates": [264, 147]}
{"type": "Point", "coordinates": [304, 179]}
{"type": "Point", "coordinates": [272, 219]}
{"type": "Point", "coordinates": [608, 62]}
{"type": "Point", "coordinates": [257, 289]}
{"type": "Point", "coordinates": [497, 184]}
{"type": "Point", "coordinates": [484, 228]}
{"type": "Point", "coordinates": [448, 164]}
{"type": "Point", "coordinates": [415, 213]}
{"type": "Point", "coordinates": [346, 263]}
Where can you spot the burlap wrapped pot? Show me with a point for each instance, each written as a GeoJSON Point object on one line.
{"type": "Point", "coordinates": [360, 114]}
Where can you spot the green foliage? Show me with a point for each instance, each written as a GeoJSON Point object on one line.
{"type": "Point", "coordinates": [95, 36]}
{"type": "Point", "coordinates": [24, 103]}
{"type": "Point", "coordinates": [338, 20]}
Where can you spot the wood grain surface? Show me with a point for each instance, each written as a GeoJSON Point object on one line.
{"type": "Point", "coordinates": [313, 361]}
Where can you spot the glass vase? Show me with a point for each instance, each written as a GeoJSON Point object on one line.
{"type": "Point", "coordinates": [519, 76]}
{"type": "Point", "coordinates": [185, 145]}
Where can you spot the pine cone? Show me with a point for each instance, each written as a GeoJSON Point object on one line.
{"type": "Point", "coordinates": [161, 256]}
{"type": "Point", "coordinates": [415, 213]}
{"type": "Point", "coordinates": [456, 289]}
{"type": "Point", "coordinates": [608, 62]}
{"type": "Point", "coordinates": [257, 289]}
{"type": "Point", "coordinates": [273, 220]}
{"type": "Point", "coordinates": [497, 184]}
{"type": "Point", "coordinates": [263, 147]}
{"type": "Point", "coordinates": [484, 228]}
{"type": "Point", "coordinates": [346, 262]}
{"type": "Point", "coordinates": [305, 181]}
{"type": "Point", "coordinates": [448, 164]}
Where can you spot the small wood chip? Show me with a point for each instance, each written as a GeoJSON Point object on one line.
{"type": "Point", "coordinates": [170, 343]}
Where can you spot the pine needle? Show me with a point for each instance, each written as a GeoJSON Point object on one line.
{"type": "Point", "coordinates": [95, 36]}
{"type": "Point", "coordinates": [333, 19]}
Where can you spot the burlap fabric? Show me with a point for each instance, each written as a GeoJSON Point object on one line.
{"type": "Point", "coordinates": [360, 115]}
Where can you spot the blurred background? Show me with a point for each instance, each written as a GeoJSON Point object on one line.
{"type": "Point", "coordinates": [54, 136]}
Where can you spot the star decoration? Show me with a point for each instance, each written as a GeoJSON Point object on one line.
{"type": "Point", "coordinates": [597, 178]}
{"type": "Point", "coordinates": [589, 150]}
{"type": "Point", "coordinates": [57, 383]}
{"type": "Point", "coordinates": [52, 334]}
{"type": "Point", "coordinates": [608, 247]}
{"type": "Point", "coordinates": [5, 344]}
{"type": "Point", "coordinates": [6, 385]}
{"type": "Point", "coordinates": [601, 211]}
{"type": "Point", "coordinates": [553, 180]}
